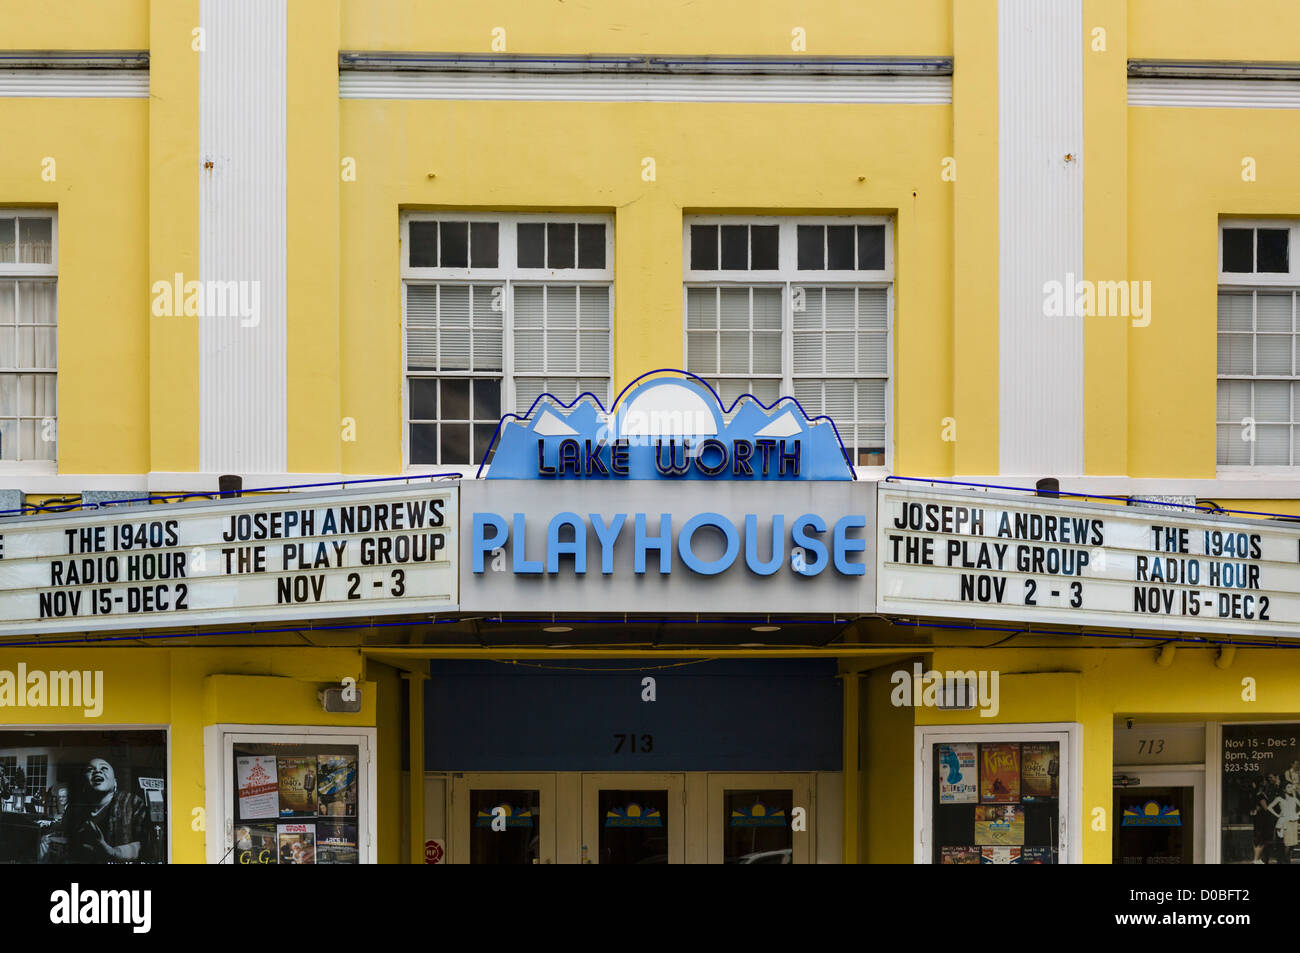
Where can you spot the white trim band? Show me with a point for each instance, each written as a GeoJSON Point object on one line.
{"type": "Point", "coordinates": [1215, 93]}
{"type": "Point", "coordinates": [614, 87]}
{"type": "Point", "coordinates": [74, 83]}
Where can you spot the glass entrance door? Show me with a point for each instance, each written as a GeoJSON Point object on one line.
{"type": "Point", "coordinates": [1158, 817]}
{"type": "Point", "coordinates": [503, 819]}
{"type": "Point", "coordinates": [632, 818]}
{"type": "Point", "coordinates": [752, 819]}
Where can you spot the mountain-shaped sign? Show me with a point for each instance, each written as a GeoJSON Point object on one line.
{"type": "Point", "coordinates": [668, 428]}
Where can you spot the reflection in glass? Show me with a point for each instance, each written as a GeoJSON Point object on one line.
{"type": "Point", "coordinates": [756, 827]}
{"type": "Point", "coordinates": [1153, 825]}
{"type": "Point", "coordinates": [35, 241]}
{"type": "Point", "coordinates": [424, 245]}
{"type": "Point", "coordinates": [633, 827]}
{"type": "Point", "coordinates": [996, 802]}
{"type": "Point", "coordinates": [504, 826]}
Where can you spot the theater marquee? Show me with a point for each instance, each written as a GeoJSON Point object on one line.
{"type": "Point", "coordinates": [300, 556]}
{"type": "Point", "coordinates": [976, 556]}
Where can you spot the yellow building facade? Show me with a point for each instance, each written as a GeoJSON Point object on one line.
{"type": "Point", "coordinates": [317, 244]}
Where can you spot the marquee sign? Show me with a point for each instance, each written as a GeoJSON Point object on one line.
{"type": "Point", "coordinates": [976, 556]}
{"type": "Point", "coordinates": [669, 428]}
{"type": "Point", "coordinates": [638, 546]}
{"type": "Point", "coordinates": [299, 556]}
{"type": "Point", "coordinates": [574, 515]}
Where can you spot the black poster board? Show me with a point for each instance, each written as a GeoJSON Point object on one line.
{"type": "Point", "coordinates": [1259, 763]}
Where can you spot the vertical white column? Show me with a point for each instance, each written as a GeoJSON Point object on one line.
{"type": "Point", "coordinates": [1040, 235]}
{"type": "Point", "coordinates": [242, 224]}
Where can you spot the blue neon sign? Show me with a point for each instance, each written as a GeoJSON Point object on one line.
{"type": "Point", "coordinates": [569, 537]}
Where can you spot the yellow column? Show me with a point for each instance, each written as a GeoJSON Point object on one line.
{"type": "Point", "coordinates": [173, 231]}
{"type": "Point", "coordinates": [975, 238]}
{"type": "Point", "coordinates": [415, 684]}
{"type": "Point", "coordinates": [851, 767]}
{"type": "Point", "coordinates": [1105, 232]}
{"type": "Point", "coordinates": [316, 425]}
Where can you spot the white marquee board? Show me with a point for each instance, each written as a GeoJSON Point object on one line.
{"type": "Point", "coordinates": [287, 556]}
{"type": "Point", "coordinates": [978, 556]}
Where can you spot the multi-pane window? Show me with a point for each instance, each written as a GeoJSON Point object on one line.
{"type": "Point", "coordinates": [796, 307]}
{"type": "Point", "coordinates": [38, 767]}
{"type": "Point", "coordinates": [28, 335]}
{"type": "Point", "coordinates": [1257, 421]}
{"type": "Point", "coordinates": [8, 772]}
{"type": "Point", "coordinates": [500, 309]}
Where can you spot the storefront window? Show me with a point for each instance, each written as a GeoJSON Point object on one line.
{"type": "Point", "coordinates": [83, 797]}
{"type": "Point", "coordinates": [506, 826]}
{"type": "Point", "coordinates": [996, 802]}
{"type": "Point", "coordinates": [295, 803]}
{"type": "Point", "coordinates": [1261, 794]}
{"type": "Point", "coordinates": [757, 827]}
{"type": "Point", "coordinates": [633, 827]}
{"type": "Point", "coordinates": [1155, 825]}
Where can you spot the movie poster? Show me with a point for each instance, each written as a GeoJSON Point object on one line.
{"type": "Point", "coordinates": [58, 787]}
{"type": "Point", "coordinates": [999, 824]}
{"type": "Point", "coordinates": [336, 843]}
{"type": "Point", "coordinates": [297, 843]}
{"type": "Point", "coordinates": [258, 788]}
{"type": "Point", "coordinates": [255, 844]}
{"type": "Point", "coordinates": [297, 785]}
{"type": "Point", "coordinates": [336, 785]}
{"type": "Point", "coordinates": [1040, 768]}
{"type": "Point", "coordinates": [999, 773]}
{"type": "Point", "coordinates": [959, 855]}
{"type": "Point", "coordinates": [1000, 855]}
{"type": "Point", "coordinates": [958, 782]}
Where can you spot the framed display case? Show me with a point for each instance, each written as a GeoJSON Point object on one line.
{"type": "Point", "coordinates": [290, 794]}
{"type": "Point", "coordinates": [1258, 769]}
{"type": "Point", "coordinates": [996, 795]}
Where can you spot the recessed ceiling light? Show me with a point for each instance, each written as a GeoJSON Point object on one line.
{"type": "Point", "coordinates": [558, 628]}
{"type": "Point", "coordinates": [764, 628]}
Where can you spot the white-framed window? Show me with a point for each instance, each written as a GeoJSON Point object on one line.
{"type": "Point", "coordinates": [28, 337]}
{"type": "Point", "coordinates": [38, 769]}
{"type": "Point", "coordinates": [792, 306]}
{"type": "Point", "coordinates": [974, 804]}
{"type": "Point", "coordinates": [1257, 419]}
{"type": "Point", "coordinates": [290, 794]}
{"type": "Point", "coordinates": [498, 309]}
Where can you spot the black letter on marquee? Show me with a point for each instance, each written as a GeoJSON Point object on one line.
{"type": "Point", "coordinates": [542, 468]}
{"type": "Point", "coordinates": [569, 457]}
{"type": "Point", "coordinates": [791, 458]}
{"type": "Point", "coordinates": [741, 451]}
{"type": "Point", "coordinates": [671, 468]}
